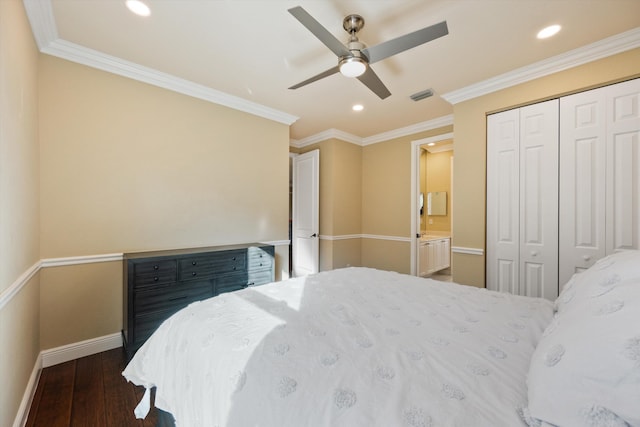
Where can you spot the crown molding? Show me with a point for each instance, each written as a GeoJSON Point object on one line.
{"type": "Point", "coordinates": [374, 139]}
{"type": "Point", "coordinates": [409, 130]}
{"type": "Point", "coordinates": [43, 25]}
{"type": "Point", "coordinates": [583, 55]}
{"type": "Point", "coordinates": [325, 135]}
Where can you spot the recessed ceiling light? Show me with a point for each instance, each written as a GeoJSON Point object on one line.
{"type": "Point", "coordinates": [138, 7]}
{"type": "Point", "coordinates": [358, 107]}
{"type": "Point", "coordinates": [549, 31]}
{"type": "Point", "coordinates": [431, 144]}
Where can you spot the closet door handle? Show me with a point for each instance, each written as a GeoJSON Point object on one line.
{"type": "Point", "coordinates": [586, 257]}
{"type": "Point", "coordinates": [314, 235]}
{"type": "Point", "coordinates": [534, 253]}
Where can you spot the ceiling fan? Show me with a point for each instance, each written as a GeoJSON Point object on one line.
{"type": "Point", "coordinates": [354, 58]}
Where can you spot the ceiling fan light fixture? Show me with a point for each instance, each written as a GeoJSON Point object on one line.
{"type": "Point", "coordinates": [352, 66]}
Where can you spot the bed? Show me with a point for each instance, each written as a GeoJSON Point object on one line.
{"type": "Point", "coordinates": [364, 347]}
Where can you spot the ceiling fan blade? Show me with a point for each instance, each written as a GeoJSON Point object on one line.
{"type": "Point", "coordinates": [322, 75]}
{"type": "Point", "coordinates": [400, 44]}
{"type": "Point", "coordinates": [373, 82]}
{"type": "Point", "coordinates": [319, 31]}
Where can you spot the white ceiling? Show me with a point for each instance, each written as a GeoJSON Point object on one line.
{"type": "Point", "coordinates": [246, 53]}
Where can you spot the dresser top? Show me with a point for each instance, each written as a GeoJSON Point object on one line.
{"type": "Point", "coordinates": [189, 251]}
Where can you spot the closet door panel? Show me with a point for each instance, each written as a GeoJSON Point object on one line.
{"type": "Point", "coordinates": [534, 280]}
{"type": "Point", "coordinates": [503, 155]}
{"type": "Point", "coordinates": [582, 183]}
{"type": "Point", "coordinates": [623, 166]}
{"type": "Point", "coordinates": [539, 199]}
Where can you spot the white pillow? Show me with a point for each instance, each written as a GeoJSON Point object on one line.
{"type": "Point", "coordinates": [599, 279]}
{"type": "Point", "coordinates": [585, 370]}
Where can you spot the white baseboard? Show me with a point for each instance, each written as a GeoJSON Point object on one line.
{"type": "Point", "coordinates": [80, 349]}
{"type": "Point", "coordinates": [29, 392]}
{"type": "Point", "coordinates": [58, 355]}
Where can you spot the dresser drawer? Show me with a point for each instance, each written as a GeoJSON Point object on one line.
{"type": "Point", "coordinates": [230, 284]}
{"type": "Point", "coordinates": [151, 267]}
{"type": "Point", "coordinates": [260, 277]}
{"type": "Point", "coordinates": [234, 282]}
{"type": "Point", "coordinates": [163, 298]}
{"type": "Point", "coordinates": [146, 324]}
{"type": "Point", "coordinates": [212, 264]}
{"type": "Point", "coordinates": [154, 279]}
{"type": "Point", "coordinates": [154, 273]}
{"type": "Point", "coordinates": [259, 259]}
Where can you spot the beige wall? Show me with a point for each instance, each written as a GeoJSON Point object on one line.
{"type": "Point", "coordinates": [19, 195]}
{"type": "Point", "coordinates": [126, 166]}
{"type": "Point", "coordinates": [470, 147]}
{"type": "Point", "coordinates": [80, 302]}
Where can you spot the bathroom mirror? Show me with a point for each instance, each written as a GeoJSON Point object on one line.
{"type": "Point", "coordinates": [437, 203]}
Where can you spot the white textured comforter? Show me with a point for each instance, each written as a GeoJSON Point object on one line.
{"type": "Point", "coordinates": [349, 347]}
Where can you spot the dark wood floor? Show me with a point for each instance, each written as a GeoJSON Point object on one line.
{"type": "Point", "coordinates": [90, 391]}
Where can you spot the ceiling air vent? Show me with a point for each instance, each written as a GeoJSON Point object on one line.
{"type": "Point", "coordinates": [422, 95]}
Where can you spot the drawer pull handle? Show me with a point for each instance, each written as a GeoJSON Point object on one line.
{"type": "Point", "coordinates": [234, 258]}
{"type": "Point", "coordinates": [194, 263]}
{"type": "Point", "coordinates": [234, 267]}
{"type": "Point", "coordinates": [155, 279]}
{"type": "Point", "coordinates": [155, 267]}
{"type": "Point", "coordinates": [194, 273]}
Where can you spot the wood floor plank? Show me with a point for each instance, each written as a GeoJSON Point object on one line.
{"type": "Point", "coordinates": [120, 396]}
{"type": "Point", "coordinates": [88, 393]}
{"type": "Point", "coordinates": [91, 391]}
{"type": "Point", "coordinates": [54, 409]}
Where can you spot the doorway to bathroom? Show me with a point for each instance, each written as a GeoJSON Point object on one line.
{"type": "Point", "coordinates": [431, 201]}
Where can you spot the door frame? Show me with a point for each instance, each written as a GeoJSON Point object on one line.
{"type": "Point", "coordinates": [415, 190]}
{"type": "Point", "coordinates": [314, 231]}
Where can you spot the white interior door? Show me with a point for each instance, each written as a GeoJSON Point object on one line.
{"type": "Point", "coordinates": [582, 182]}
{"type": "Point", "coordinates": [539, 200]}
{"type": "Point", "coordinates": [623, 166]}
{"type": "Point", "coordinates": [503, 210]}
{"type": "Point", "coordinates": [305, 212]}
{"type": "Point", "coordinates": [522, 200]}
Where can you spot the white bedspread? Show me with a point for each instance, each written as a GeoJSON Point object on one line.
{"type": "Point", "coordinates": [349, 347]}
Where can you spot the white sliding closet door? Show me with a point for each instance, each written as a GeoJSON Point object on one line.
{"type": "Point", "coordinates": [599, 176]}
{"type": "Point", "coordinates": [522, 200]}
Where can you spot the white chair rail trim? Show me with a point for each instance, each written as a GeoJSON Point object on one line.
{"type": "Point", "coordinates": [467, 251]}
{"type": "Point", "coordinates": [20, 282]}
{"type": "Point", "coordinates": [365, 236]}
